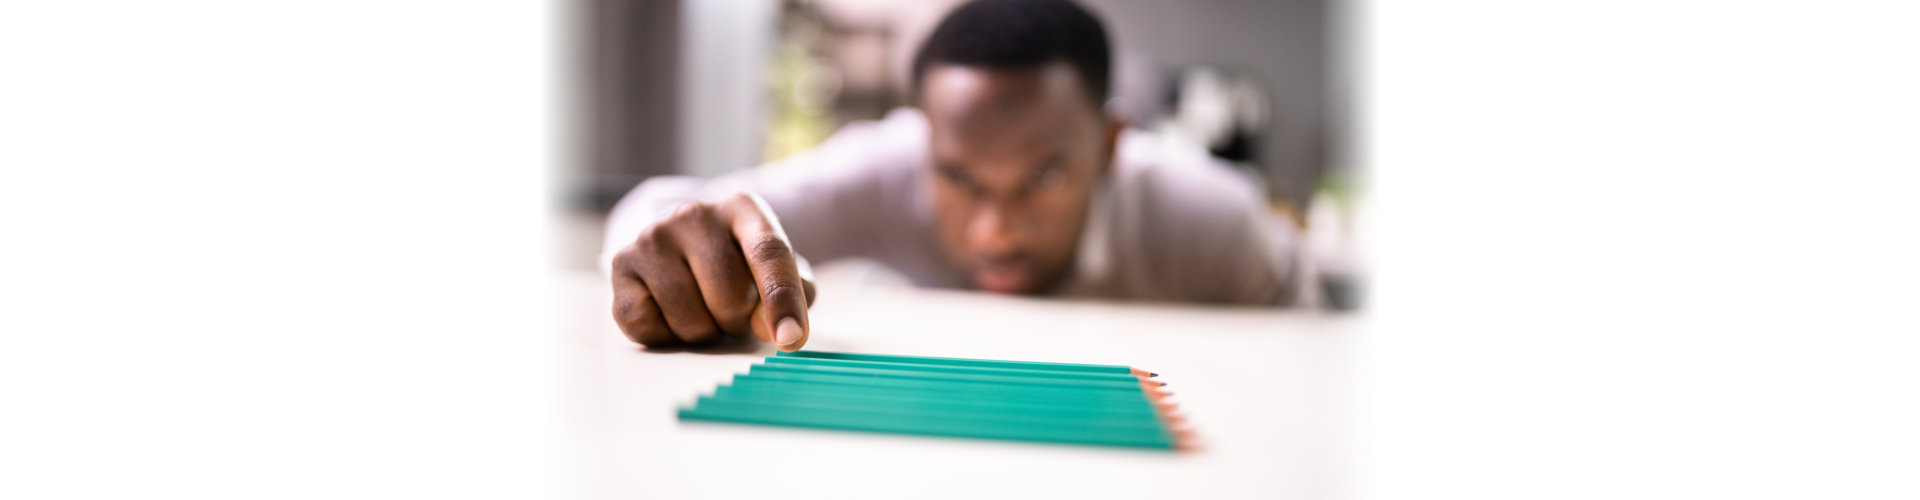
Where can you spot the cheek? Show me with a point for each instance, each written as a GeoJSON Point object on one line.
{"type": "Point", "coordinates": [951, 208]}
{"type": "Point", "coordinates": [1061, 216]}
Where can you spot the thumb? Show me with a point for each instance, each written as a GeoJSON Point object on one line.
{"type": "Point", "coordinates": [762, 329]}
{"type": "Point", "coordinates": [776, 272]}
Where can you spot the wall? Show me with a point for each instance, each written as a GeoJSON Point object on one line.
{"type": "Point", "coordinates": [1286, 43]}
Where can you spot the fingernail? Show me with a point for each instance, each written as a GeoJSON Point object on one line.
{"type": "Point", "coordinates": [788, 333]}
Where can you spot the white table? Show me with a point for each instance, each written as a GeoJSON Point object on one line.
{"type": "Point", "coordinates": [1264, 389]}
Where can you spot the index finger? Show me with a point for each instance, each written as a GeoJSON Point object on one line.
{"type": "Point", "coordinates": [776, 271]}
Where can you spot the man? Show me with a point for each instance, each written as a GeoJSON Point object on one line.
{"type": "Point", "coordinates": [1011, 178]}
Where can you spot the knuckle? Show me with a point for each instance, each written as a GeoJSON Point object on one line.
{"type": "Point", "coordinates": [654, 232]}
{"type": "Point", "coordinates": [630, 304]}
{"type": "Point", "coordinates": [650, 333]}
{"type": "Point", "coordinates": [698, 333]}
{"type": "Point", "coordinates": [731, 312]}
{"type": "Point", "coordinates": [626, 257]}
{"type": "Point", "coordinates": [689, 211]}
{"type": "Point", "coordinates": [623, 309]}
{"type": "Point", "coordinates": [737, 326]}
{"type": "Point", "coordinates": [651, 336]}
{"type": "Point", "coordinates": [635, 325]}
{"type": "Point", "coordinates": [635, 314]}
{"type": "Point", "coordinates": [769, 248]}
{"type": "Point", "coordinates": [721, 296]}
{"type": "Point", "coordinates": [739, 200]}
{"type": "Point", "coordinates": [781, 293]}
{"type": "Point", "coordinates": [655, 238]}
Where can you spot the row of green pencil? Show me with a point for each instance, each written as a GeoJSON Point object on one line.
{"type": "Point", "coordinates": [1017, 400]}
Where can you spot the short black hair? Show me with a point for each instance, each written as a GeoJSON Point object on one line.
{"type": "Point", "coordinates": [1021, 34]}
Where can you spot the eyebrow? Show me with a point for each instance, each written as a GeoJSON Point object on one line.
{"type": "Point", "coordinates": [1051, 160]}
{"type": "Point", "coordinates": [946, 164]}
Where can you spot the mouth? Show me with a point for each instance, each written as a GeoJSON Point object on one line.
{"type": "Point", "coordinates": [1003, 278]}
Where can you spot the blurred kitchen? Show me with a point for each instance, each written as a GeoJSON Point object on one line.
{"type": "Point", "coordinates": [701, 88]}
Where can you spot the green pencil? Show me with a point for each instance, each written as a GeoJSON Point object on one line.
{"type": "Point", "coordinates": [961, 388]}
{"type": "Point", "coordinates": [921, 423]}
{"type": "Point", "coordinates": [1129, 384]}
{"type": "Point", "coordinates": [1015, 400]}
{"type": "Point", "coordinates": [974, 370]}
{"type": "Point", "coordinates": [911, 389]}
{"type": "Point", "coordinates": [860, 397]}
{"type": "Point", "coordinates": [945, 409]}
{"type": "Point", "coordinates": [987, 363]}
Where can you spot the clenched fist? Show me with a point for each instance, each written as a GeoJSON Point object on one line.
{"type": "Point", "coordinates": [711, 269]}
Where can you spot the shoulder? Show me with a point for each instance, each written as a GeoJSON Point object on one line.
{"type": "Point", "coordinates": [1198, 223]}
{"type": "Point", "coordinates": [1178, 182]}
{"type": "Point", "coordinates": [895, 141]}
{"type": "Point", "coordinates": [861, 162]}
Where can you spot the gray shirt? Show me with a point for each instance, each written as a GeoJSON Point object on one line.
{"type": "Point", "coordinates": [1169, 223]}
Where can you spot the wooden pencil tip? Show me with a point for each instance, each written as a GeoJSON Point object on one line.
{"type": "Point", "coordinates": [1183, 440]}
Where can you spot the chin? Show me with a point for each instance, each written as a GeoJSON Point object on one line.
{"type": "Point", "coordinates": [1004, 291]}
{"type": "Point", "coordinates": [1012, 280]}
{"type": "Point", "coordinates": [1026, 286]}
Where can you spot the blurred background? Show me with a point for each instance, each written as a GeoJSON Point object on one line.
{"type": "Point", "coordinates": [703, 88]}
{"type": "Point", "coordinates": [1620, 249]}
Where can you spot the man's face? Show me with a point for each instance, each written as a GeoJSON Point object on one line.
{"type": "Point", "coordinates": [1016, 155]}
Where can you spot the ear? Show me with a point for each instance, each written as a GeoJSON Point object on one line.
{"type": "Point", "coordinates": [1110, 140]}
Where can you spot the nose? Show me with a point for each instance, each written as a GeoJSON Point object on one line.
{"type": "Point", "coordinates": [994, 230]}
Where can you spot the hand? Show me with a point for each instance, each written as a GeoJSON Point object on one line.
{"type": "Point", "coordinates": [708, 270]}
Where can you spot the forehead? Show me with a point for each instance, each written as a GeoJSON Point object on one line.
{"type": "Point", "coordinates": [974, 111]}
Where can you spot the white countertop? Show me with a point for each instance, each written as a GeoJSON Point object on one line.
{"type": "Point", "coordinates": [1265, 390]}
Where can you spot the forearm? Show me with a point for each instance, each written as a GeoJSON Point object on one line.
{"type": "Point", "coordinates": [828, 198]}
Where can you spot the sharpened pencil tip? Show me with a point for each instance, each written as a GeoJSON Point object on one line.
{"type": "Point", "coordinates": [1163, 384]}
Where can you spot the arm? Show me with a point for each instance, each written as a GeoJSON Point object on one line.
{"type": "Point", "coordinates": [1264, 262]}
{"type": "Point", "coordinates": [1226, 248]}
{"type": "Point", "coordinates": [827, 198]}
{"type": "Point", "coordinates": [690, 259]}
{"type": "Point", "coordinates": [1207, 231]}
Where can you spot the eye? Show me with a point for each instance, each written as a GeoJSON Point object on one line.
{"type": "Point", "coordinates": [956, 176]}
{"type": "Point", "coordinates": [1046, 177]}
{"type": "Point", "coordinates": [959, 179]}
